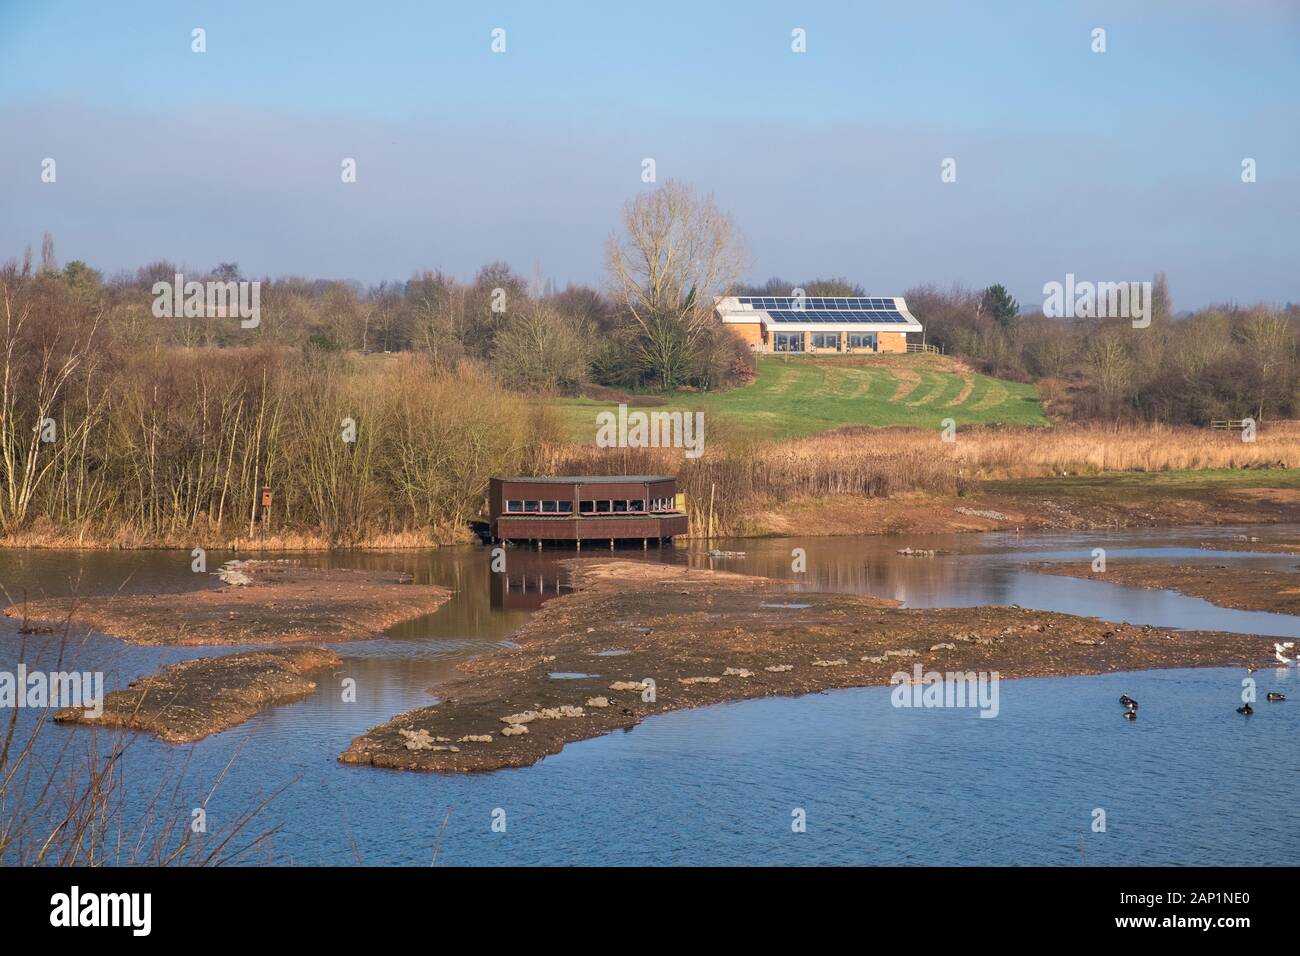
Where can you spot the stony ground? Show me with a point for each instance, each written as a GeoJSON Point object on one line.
{"type": "Point", "coordinates": [188, 701]}
{"type": "Point", "coordinates": [282, 603]}
{"type": "Point", "coordinates": [704, 637]}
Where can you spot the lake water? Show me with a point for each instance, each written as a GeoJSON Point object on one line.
{"type": "Point", "coordinates": [1189, 782]}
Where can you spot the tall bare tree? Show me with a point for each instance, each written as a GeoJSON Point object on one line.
{"type": "Point", "coordinates": [1112, 369]}
{"type": "Point", "coordinates": [678, 252]}
{"type": "Point", "coordinates": [1270, 353]}
{"type": "Point", "coordinates": [35, 365]}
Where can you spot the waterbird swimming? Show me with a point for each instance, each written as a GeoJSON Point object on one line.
{"type": "Point", "coordinates": [1275, 696]}
{"type": "Point", "coordinates": [1130, 714]}
{"type": "Point", "coordinates": [1246, 709]}
{"type": "Point", "coordinates": [1128, 701]}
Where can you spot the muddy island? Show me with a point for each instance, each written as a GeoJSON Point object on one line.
{"type": "Point", "coordinates": [191, 700]}
{"type": "Point", "coordinates": [637, 639]}
{"type": "Point", "coordinates": [259, 602]}
{"type": "Point", "coordinates": [1237, 587]}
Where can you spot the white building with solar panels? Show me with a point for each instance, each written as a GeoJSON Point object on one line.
{"type": "Point", "coordinates": [819, 323]}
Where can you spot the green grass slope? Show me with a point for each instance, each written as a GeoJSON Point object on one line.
{"type": "Point", "coordinates": [797, 396]}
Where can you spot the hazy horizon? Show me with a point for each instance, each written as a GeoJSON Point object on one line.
{"type": "Point", "coordinates": [1111, 166]}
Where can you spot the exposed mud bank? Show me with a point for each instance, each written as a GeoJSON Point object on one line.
{"type": "Point", "coordinates": [1252, 542]}
{"type": "Point", "coordinates": [281, 603]}
{"type": "Point", "coordinates": [189, 701]}
{"type": "Point", "coordinates": [1242, 588]}
{"type": "Point", "coordinates": [1075, 503]}
{"type": "Point", "coordinates": [704, 637]}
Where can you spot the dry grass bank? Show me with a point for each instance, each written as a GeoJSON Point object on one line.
{"type": "Point", "coordinates": [737, 487]}
{"type": "Point", "coordinates": [46, 535]}
{"type": "Point", "coordinates": [999, 453]}
{"type": "Point", "coordinates": [419, 474]}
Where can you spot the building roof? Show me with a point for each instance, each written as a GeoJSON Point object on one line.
{"type": "Point", "coordinates": [594, 479]}
{"type": "Point", "coordinates": [819, 313]}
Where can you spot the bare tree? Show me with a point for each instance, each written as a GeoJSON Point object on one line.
{"type": "Point", "coordinates": [678, 252]}
{"type": "Point", "coordinates": [1270, 352]}
{"type": "Point", "coordinates": [48, 262]}
{"type": "Point", "coordinates": [438, 304]}
{"type": "Point", "coordinates": [34, 370]}
{"type": "Point", "coordinates": [543, 350]}
{"type": "Point", "coordinates": [1111, 368]}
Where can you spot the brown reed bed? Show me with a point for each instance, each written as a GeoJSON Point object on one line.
{"type": "Point", "coordinates": [735, 481]}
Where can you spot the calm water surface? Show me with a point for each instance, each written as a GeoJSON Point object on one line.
{"type": "Point", "coordinates": [1190, 782]}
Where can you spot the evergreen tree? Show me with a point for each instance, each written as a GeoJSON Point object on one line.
{"type": "Point", "coordinates": [998, 303]}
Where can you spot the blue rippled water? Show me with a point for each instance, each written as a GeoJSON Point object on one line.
{"type": "Point", "coordinates": [1189, 782]}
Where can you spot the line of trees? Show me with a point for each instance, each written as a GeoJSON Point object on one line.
{"type": "Point", "coordinates": [1219, 362]}
{"type": "Point", "coordinates": [103, 441]}
{"type": "Point", "coordinates": [116, 424]}
{"type": "Point", "coordinates": [652, 328]}
{"type": "Point", "coordinates": [112, 417]}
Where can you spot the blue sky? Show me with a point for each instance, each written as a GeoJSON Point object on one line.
{"type": "Point", "coordinates": [1110, 166]}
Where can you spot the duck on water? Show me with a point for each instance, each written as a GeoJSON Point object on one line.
{"type": "Point", "coordinates": [1131, 707]}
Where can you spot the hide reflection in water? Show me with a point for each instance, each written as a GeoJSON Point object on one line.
{"type": "Point", "coordinates": [527, 584]}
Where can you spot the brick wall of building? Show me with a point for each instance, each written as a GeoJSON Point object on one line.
{"type": "Point", "coordinates": [891, 341]}
{"type": "Point", "coordinates": [751, 333]}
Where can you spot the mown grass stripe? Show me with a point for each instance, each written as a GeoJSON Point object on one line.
{"type": "Point", "coordinates": [804, 395]}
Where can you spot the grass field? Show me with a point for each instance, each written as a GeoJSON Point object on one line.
{"type": "Point", "coordinates": [798, 396]}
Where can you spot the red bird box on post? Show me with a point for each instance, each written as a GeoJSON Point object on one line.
{"type": "Point", "coordinates": [266, 497]}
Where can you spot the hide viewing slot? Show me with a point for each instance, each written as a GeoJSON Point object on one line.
{"type": "Point", "coordinates": [626, 508]}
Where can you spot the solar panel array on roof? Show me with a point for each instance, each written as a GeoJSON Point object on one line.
{"type": "Point", "coordinates": [829, 315]}
{"type": "Point", "coordinates": [819, 303]}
